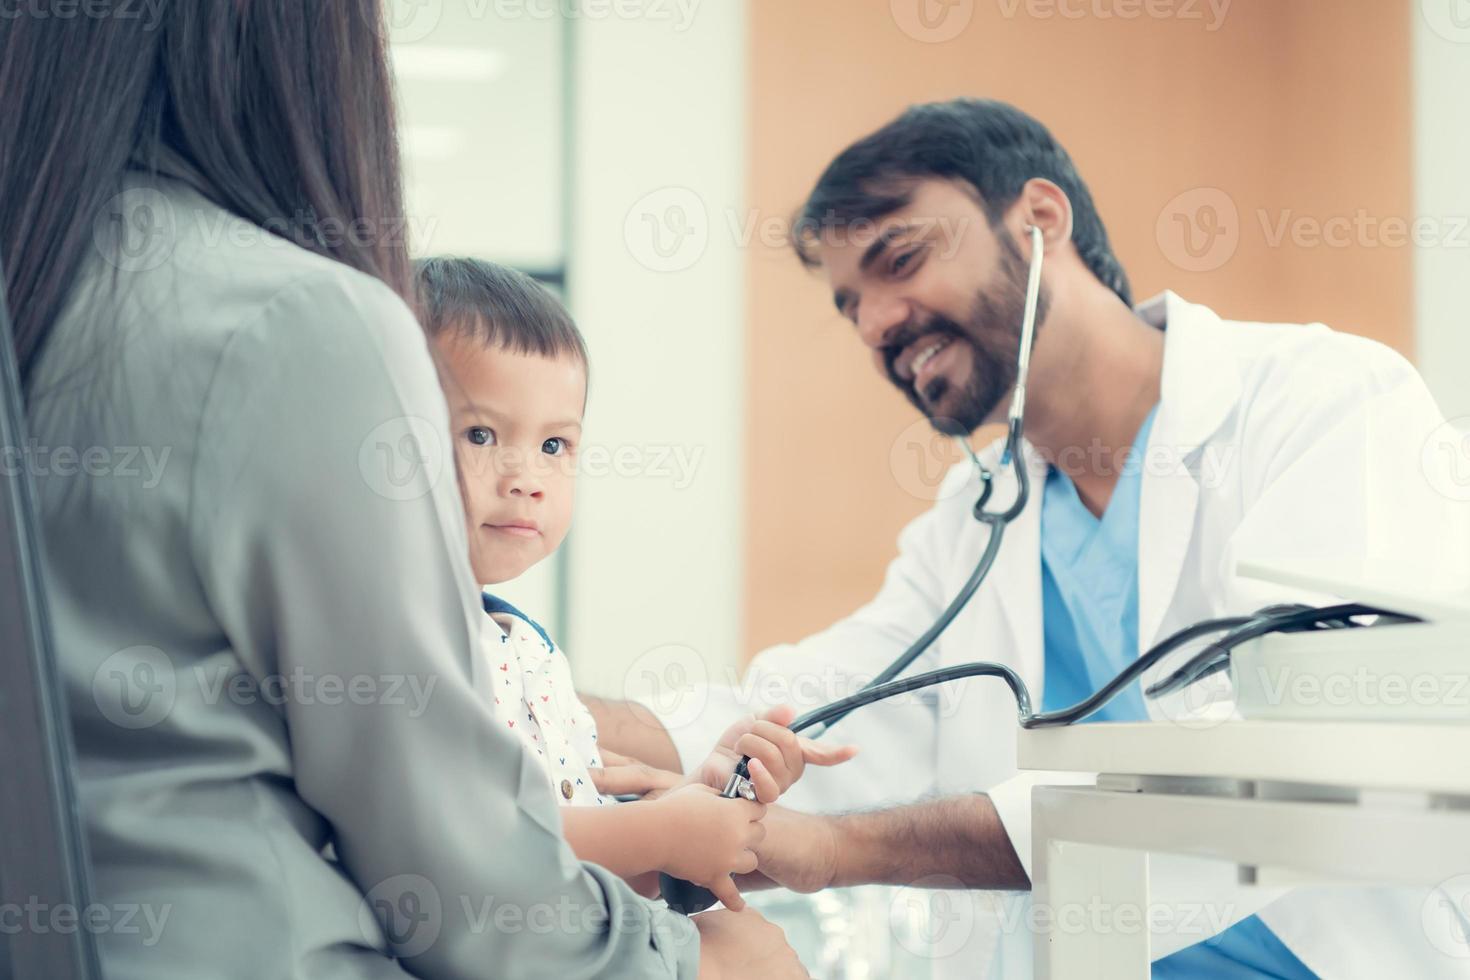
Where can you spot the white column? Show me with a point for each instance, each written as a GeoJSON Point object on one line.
{"type": "Point", "coordinates": [657, 283]}
{"type": "Point", "coordinates": [1442, 188]}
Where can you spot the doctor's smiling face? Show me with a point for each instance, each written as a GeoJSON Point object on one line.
{"type": "Point", "coordinates": [938, 295]}
{"type": "Point", "coordinates": [921, 230]}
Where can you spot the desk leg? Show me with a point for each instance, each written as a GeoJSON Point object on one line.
{"type": "Point", "coordinates": [1089, 908]}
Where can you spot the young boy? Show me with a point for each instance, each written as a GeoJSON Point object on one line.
{"type": "Point", "coordinates": [515, 374]}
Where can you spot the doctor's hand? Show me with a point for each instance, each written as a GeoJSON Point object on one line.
{"type": "Point", "coordinates": [798, 851]}
{"type": "Point", "coordinates": [707, 838]}
{"type": "Point", "coordinates": [778, 756]}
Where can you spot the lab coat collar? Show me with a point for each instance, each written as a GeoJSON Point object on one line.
{"type": "Point", "coordinates": [1199, 388]}
{"type": "Point", "coordinates": [1200, 384]}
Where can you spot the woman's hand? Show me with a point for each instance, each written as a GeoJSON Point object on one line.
{"type": "Point", "coordinates": [709, 838]}
{"type": "Point", "coordinates": [734, 945]}
{"type": "Point", "coordinates": [778, 756]}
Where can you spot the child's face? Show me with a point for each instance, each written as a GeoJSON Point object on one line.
{"type": "Point", "coordinates": [517, 424]}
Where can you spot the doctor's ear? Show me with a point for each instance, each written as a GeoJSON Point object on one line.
{"type": "Point", "coordinates": [1045, 205]}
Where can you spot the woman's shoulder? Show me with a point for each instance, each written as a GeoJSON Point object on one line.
{"type": "Point", "coordinates": [179, 292]}
{"type": "Point", "coordinates": [179, 261]}
{"type": "Point", "coordinates": [185, 308]}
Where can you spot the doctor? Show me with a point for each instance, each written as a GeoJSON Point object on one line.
{"type": "Point", "coordinates": [1165, 444]}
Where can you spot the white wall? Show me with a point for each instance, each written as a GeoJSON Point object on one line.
{"type": "Point", "coordinates": [480, 102]}
{"type": "Point", "coordinates": [1442, 182]}
{"type": "Point", "coordinates": [659, 136]}
{"type": "Point", "coordinates": [480, 96]}
{"type": "Point", "coordinates": [656, 127]}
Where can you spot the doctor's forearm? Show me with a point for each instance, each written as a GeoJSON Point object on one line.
{"type": "Point", "coordinates": [958, 837]}
{"type": "Point", "coordinates": [631, 729]}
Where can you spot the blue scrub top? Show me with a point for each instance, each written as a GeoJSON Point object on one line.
{"type": "Point", "coordinates": [1089, 589]}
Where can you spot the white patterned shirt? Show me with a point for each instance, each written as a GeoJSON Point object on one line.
{"type": "Point", "coordinates": [529, 684]}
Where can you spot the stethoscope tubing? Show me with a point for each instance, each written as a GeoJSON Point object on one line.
{"type": "Point", "coordinates": [887, 684]}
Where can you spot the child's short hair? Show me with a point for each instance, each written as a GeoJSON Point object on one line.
{"type": "Point", "coordinates": [501, 307]}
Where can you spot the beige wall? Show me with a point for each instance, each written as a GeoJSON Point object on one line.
{"type": "Point", "coordinates": [1298, 109]}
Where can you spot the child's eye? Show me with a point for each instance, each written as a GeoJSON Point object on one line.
{"type": "Point", "coordinates": [554, 446]}
{"type": "Point", "coordinates": [480, 436]}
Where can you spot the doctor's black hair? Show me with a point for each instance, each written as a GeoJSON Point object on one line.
{"type": "Point", "coordinates": [498, 306]}
{"type": "Point", "coordinates": [993, 146]}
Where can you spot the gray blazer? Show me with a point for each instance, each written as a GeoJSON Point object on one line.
{"type": "Point", "coordinates": [266, 618]}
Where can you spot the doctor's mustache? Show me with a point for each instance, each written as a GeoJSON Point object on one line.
{"type": "Point", "coordinates": [904, 335]}
{"type": "Point", "coordinates": [993, 344]}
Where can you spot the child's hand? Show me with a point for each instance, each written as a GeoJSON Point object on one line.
{"type": "Point", "coordinates": [711, 838]}
{"type": "Point", "coordinates": [778, 757]}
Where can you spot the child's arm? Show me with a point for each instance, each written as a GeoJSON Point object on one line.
{"type": "Point", "coordinates": [692, 833]}
{"type": "Point", "coordinates": [624, 839]}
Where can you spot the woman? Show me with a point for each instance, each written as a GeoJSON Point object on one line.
{"type": "Point", "coordinates": [256, 561]}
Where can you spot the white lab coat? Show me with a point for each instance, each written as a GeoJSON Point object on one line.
{"type": "Point", "coordinates": [1281, 443]}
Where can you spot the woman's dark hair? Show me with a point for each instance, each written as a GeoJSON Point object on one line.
{"type": "Point", "coordinates": [282, 110]}
{"type": "Point", "coordinates": [494, 305]}
{"type": "Point", "coordinates": [994, 146]}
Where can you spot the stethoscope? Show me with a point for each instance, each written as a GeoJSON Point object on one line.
{"type": "Point", "coordinates": [688, 898]}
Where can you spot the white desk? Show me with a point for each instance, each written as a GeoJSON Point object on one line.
{"type": "Point", "coordinates": [1287, 802]}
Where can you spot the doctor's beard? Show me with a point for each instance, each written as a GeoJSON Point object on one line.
{"type": "Point", "coordinates": [992, 331]}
